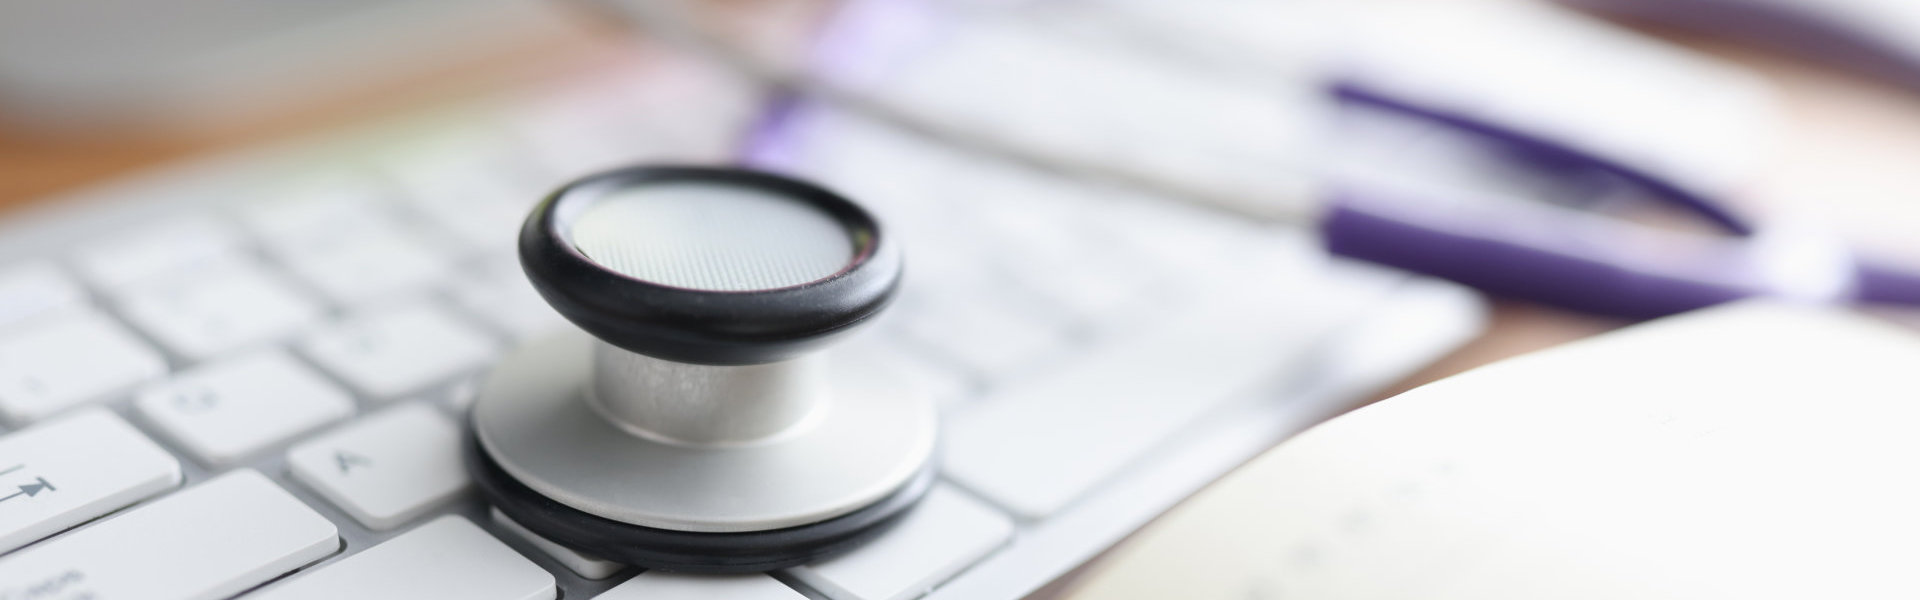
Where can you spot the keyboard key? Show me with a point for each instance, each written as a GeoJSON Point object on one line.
{"type": "Point", "coordinates": [32, 290]}
{"type": "Point", "coordinates": [230, 308]}
{"type": "Point", "coordinates": [1091, 276]}
{"type": "Point", "coordinates": [369, 264]}
{"type": "Point", "coordinates": [1091, 295]}
{"type": "Point", "coordinates": [949, 385]}
{"type": "Point", "coordinates": [447, 558]}
{"type": "Point", "coordinates": [484, 224]}
{"type": "Point", "coordinates": [314, 214]}
{"type": "Point", "coordinates": [343, 237]}
{"type": "Point", "coordinates": [386, 469]}
{"type": "Point", "coordinates": [62, 473]}
{"type": "Point", "coordinates": [210, 541]}
{"type": "Point", "coordinates": [229, 410]}
{"type": "Point", "coordinates": [1032, 215]}
{"type": "Point", "coordinates": [1104, 411]}
{"type": "Point", "coordinates": [987, 334]}
{"type": "Point", "coordinates": [656, 585]}
{"type": "Point", "coordinates": [478, 187]}
{"type": "Point", "coordinates": [587, 566]}
{"type": "Point", "coordinates": [945, 534]}
{"type": "Point", "coordinates": [62, 363]}
{"type": "Point", "coordinates": [501, 296]}
{"type": "Point", "coordinates": [471, 166]}
{"type": "Point", "coordinates": [165, 248]}
{"type": "Point", "coordinates": [398, 351]}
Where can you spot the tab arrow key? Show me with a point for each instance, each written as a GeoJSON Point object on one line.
{"type": "Point", "coordinates": [32, 489]}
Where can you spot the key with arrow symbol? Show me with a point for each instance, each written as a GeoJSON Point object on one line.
{"type": "Point", "coordinates": [31, 489]}
{"type": "Point", "coordinates": [74, 469]}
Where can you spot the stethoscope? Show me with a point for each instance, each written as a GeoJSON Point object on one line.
{"type": "Point", "coordinates": [691, 423]}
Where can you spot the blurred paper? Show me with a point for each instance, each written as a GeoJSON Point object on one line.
{"type": "Point", "coordinates": [1754, 451]}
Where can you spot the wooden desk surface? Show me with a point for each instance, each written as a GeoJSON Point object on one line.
{"type": "Point", "coordinates": [1850, 154]}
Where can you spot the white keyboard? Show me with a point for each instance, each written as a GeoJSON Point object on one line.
{"type": "Point", "coordinates": [248, 375]}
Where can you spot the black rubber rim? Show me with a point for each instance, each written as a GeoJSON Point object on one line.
{"type": "Point", "coordinates": [685, 551]}
{"type": "Point", "coordinates": [704, 326]}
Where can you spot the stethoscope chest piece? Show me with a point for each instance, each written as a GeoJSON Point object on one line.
{"type": "Point", "coordinates": [690, 423]}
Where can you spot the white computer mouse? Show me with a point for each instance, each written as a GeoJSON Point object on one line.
{"type": "Point", "coordinates": [1752, 451]}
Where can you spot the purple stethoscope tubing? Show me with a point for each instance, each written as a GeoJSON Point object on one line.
{"type": "Point", "coordinates": [1567, 273]}
{"type": "Point", "coordinates": [1557, 260]}
{"type": "Point", "coordinates": [1564, 260]}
